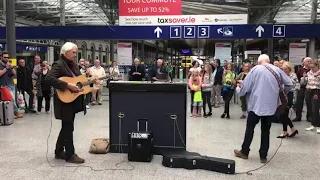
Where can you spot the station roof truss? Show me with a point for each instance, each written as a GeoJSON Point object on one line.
{"type": "Point", "coordinates": [105, 12]}
{"type": "Point", "coordinates": [77, 12]}
{"type": "Point", "coordinates": [295, 11]}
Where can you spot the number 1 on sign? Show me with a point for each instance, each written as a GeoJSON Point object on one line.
{"type": "Point", "coordinates": [177, 31]}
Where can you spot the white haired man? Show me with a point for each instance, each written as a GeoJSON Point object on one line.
{"type": "Point", "coordinates": [137, 71]}
{"type": "Point", "coordinates": [66, 67]}
{"type": "Point", "coordinates": [302, 93]}
{"type": "Point", "coordinates": [262, 86]}
{"type": "Point", "coordinates": [159, 73]}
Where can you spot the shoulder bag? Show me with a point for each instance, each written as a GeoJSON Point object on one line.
{"type": "Point", "coordinates": [282, 95]}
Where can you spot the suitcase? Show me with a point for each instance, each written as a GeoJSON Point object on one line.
{"type": "Point", "coordinates": [6, 113]}
{"type": "Point", "coordinates": [140, 144]}
{"type": "Point", "coordinates": [192, 160]}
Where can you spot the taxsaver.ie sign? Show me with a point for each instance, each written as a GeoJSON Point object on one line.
{"type": "Point", "coordinates": [134, 11]}
{"type": "Point", "coordinates": [183, 20]}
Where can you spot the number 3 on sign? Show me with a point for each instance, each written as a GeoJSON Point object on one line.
{"type": "Point", "coordinates": [279, 31]}
{"type": "Point", "coordinates": [189, 31]}
{"type": "Point", "coordinates": [203, 31]}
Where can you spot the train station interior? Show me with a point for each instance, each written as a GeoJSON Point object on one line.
{"type": "Point", "coordinates": [28, 143]}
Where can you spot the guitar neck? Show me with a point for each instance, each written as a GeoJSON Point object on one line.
{"type": "Point", "coordinates": [86, 83]}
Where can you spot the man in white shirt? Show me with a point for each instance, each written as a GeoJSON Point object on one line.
{"type": "Point", "coordinates": [97, 72]}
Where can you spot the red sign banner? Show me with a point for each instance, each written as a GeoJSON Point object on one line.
{"type": "Point", "coordinates": [150, 7]}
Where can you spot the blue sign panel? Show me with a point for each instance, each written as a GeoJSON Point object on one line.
{"type": "Point", "coordinates": [203, 31]}
{"type": "Point", "coordinates": [21, 47]}
{"type": "Point", "coordinates": [167, 32]}
{"type": "Point", "coordinates": [175, 32]}
{"type": "Point", "coordinates": [279, 31]}
{"type": "Point", "coordinates": [189, 32]}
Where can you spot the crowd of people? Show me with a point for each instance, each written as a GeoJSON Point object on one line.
{"type": "Point", "coordinates": [259, 88]}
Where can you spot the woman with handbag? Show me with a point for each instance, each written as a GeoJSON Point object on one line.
{"type": "Point", "coordinates": [284, 117]}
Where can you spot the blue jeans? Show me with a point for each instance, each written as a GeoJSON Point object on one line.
{"type": "Point", "coordinates": [13, 94]}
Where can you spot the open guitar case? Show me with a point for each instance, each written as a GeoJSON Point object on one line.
{"type": "Point", "coordinates": [193, 160]}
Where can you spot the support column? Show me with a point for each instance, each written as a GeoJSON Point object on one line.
{"type": "Point", "coordinates": [157, 50]}
{"type": "Point", "coordinates": [50, 54]}
{"type": "Point", "coordinates": [270, 49]}
{"type": "Point", "coordinates": [62, 18]}
{"type": "Point", "coordinates": [111, 51]}
{"type": "Point", "coordinates": [312, 44]}
{"type": "Point", "coordinates": [142, 51]}
{"type": "Point", "coordinates": [11, 32]}
{"type": "Point", "coordinates": [165, 51]}
{"type": "Point", "coordinates": [244, 45]}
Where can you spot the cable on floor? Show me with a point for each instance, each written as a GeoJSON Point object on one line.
{"type": "Point", "coordinates": [84, 166]}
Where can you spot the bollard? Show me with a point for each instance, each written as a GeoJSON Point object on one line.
{"type": "Point", "coordinates": [180, 74]}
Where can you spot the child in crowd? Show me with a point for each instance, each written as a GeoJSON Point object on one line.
{"type": "Point", "coordinates": [195, 85]}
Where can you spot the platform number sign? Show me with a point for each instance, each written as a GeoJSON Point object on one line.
{"type": "Point", "coordinates": [189, 32]}
{"type": "Point", "coordinates": [203, 31]}
{"type": "Point", "coordinates": [279, 31]}
{"type": "Point", "coordinates": [175, 32]}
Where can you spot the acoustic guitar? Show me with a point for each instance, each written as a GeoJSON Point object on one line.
{"type": "Point", "coordinates": [82, 82]}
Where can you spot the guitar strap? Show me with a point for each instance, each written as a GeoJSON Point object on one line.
{"type": "Point", "coordinates": [68, 68]}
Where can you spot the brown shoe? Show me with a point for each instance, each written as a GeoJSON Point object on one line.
{"type": "Point", "coordinates": [60, 155]}
{"type": "Point", "coordinates": [239, 154]}
{"type": "Point", "coordinates": [75, 159]}
{"type": "Point", "coordinates": [18, 115]}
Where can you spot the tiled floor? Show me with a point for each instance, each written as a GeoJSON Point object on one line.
{"type": "Point", "coordinates": [23, 148]}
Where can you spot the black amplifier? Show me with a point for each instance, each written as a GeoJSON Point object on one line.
{"type": "Point", "coordinates": [140, 144]}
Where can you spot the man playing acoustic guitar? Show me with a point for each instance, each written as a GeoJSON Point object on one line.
{"type": "Point", "coordinates": [65, 67]}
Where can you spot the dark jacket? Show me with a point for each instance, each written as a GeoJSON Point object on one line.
{"type": "Point", "coordinates": [64, 111]}
{"type": "Point", "coordinates": [139, 69]}
{"type": "Point", "coordinates": [163, 76]}
{"type": "Point", "coordinates": [300, 71]}
{"type": "Point", "coordinates": [42, 86]}
{"type": "Point", "coordinates": [218, 76]}
{"type": "Point", "coordinates": [24, 79]}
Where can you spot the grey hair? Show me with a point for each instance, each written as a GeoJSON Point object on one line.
{"type": "Point", "coordinates": [136, 59]}
{"type": "Point", "coordinates": [263, 58]}
{"type": "Point", "coordinates": [68, 46]}
{"type": "Point", "coordinates": [307, 59]}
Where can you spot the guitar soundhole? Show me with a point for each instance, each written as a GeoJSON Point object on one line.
{"type": "Point", "coordinates": [79, 85]}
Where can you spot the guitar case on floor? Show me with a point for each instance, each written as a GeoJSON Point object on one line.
{"type": "Point", "coordinates": [193, 160]}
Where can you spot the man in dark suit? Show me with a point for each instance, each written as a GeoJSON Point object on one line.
{"type": "Point", "coordinates": [137, 71]}
{"type": "Point", "coordinates": [65, 67]}
{"type": "Point", "coordinates": [24, 84]}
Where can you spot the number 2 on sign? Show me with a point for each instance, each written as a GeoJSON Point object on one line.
{"type": "Point", "coordinates": [189, 31]}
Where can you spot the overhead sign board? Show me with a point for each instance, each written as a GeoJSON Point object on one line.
{"type": "Point", "coordinates": [183, 20]}
{"type": "Point", "coordinates": [137, 11]}
{"type": "Point", "coordinates": [149, 7]}
{"type": "Point", "coordinates": [167, 32]}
